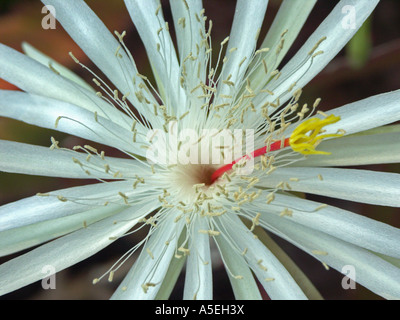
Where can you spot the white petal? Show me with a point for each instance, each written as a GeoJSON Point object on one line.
{"type": "Point", "coordinates": [342, 224]}
{"type": "Point", "coordinates": [275, 279]}
{"type": "Point", "coordinates": [35, 160]}
{"type": "Point", "coordinates": [291, 17]}
{"type": "Point", "coordinates": [337, 31]}
{"type": "Point", "coordinates": [40, 208]}
{"type": "Point", "coordinates": [163, 60]}
{"type": "Point", "coordinates": [366, 114]}
{"type": "Point", "coordinates": [65, 117]}
{"type": "Point", "coordinates": [188, 22]}
{"type": "Point", "coordinates": [357, 150]}
{"type": "Point", "coordinates": [171, 277]}
{"type": "Point", "coordinates": [33, 77]}
{"type": "Point", "coordinates": [393, 261]}
{"type": "Point", "coordinates": [187, 37]}
{"type": "Point", "coordinates": [298, 275]}
{"type": "Point", "coordinates": [198, 280]}
{"type": "Point", "coordinates": [246, 24]}
{"type": "Point", "coordinates": [35, 54]}
{"type": "Point", "coordinates": [18, 239]}
{"type": "Point", "coordinates": [371, 271]}
{"type": "Point", "coordinates": [364, 186]}
{"type": "Point", "coordinates": [242, 280]}
{"type": "Point", "coordinates": [93, 37]}
{"type": "Point", "coordinates": [152, 264]}
{"type": "Point", "coordinates": [68, 250]}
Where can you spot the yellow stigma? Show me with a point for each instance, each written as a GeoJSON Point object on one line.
{"type": "Point", "coordinates": [307, 135]}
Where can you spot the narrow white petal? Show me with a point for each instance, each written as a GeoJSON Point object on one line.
{"type": "Point", "coordinates": [291, 17]}
{"type": "Point", "coordinates": [33, 77]}
{"type": "Point", "coordinates": [342, 224]}
{"type": "Point", "coordinates": [368, 113]}
{"type": "Point", "coordinates": [364, 186]}
{"type": "Point", "coordinates": [18, 239]}
{"type": "Point", "coordinates": [23, 158]}
{"type": "Point", "coordinates": [357, 150]}
{"type": "Point", "coordinates": [187, 30]}
{"type": "Point", "coordinates": [393, 261]}
{"type": "Point", "coordinates": [65, 117]}
{"type": "Point", "coordinates": [35, 54]}
{"type": "Point", "coordinates": [159, 46]}
{"type": "Point", "coordinates": [171, 277]}
{"type": "Point", "coordinates": [298, 275]}
{"type": "Point", "coordinates": [302, 68]}
{"type": "Point", "coordinates": [93, 37]}
{"type": "Point", "coordinates": [36, 160]}
{"type": "Point", "coordinates": [46, 207]}
{"type": "Point", "coordinates": [74, 247]}
{"type": "Point", "coordinates": [241, 278]}
{"type": "Point", "coordinates": [371, 271]}
{"type": "Point", "coordinates": [242, 40]}
{"type": "Point", "coordinates": [273, 276]}
{"type": "Point", "coordinates": [190, 31]}
{"type": "Point", "coordinates": [144, 279]}
{"type": "Point", "coordinates": [198, 280]}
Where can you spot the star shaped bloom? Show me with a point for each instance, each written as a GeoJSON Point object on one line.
{"type": "Point", "coordinates": [189, 206]}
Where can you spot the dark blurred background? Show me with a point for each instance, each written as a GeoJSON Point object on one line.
{"type": "Point", "coordinates": [370, 65]}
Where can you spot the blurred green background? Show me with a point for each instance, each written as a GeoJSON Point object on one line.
{"type": "Point", "coordinates": [369, 65]}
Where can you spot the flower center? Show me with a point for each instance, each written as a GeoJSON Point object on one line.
{"type": "Point", "coordinates": [188, 180]}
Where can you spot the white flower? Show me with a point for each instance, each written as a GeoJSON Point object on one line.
{"type": "Point", "coordinates": [185, 208]}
